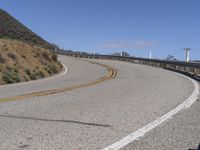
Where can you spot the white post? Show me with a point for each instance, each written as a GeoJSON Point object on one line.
{"type": "Point", "coordinates": [150, 54]}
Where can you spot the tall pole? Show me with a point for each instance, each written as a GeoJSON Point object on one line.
{"type": "Point", "coordinates": [150, 54]}
{"type": "Point", "coordinates": [187, 54]}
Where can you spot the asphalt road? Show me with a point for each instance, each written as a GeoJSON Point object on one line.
{"type": "Point", "coordinates": [97, 116]}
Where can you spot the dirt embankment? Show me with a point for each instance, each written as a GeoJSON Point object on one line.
{"type": "Point", "coordinates": [23, 62]}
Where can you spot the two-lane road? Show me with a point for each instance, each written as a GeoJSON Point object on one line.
{"type": "Point", "coordinates": [92, 117]}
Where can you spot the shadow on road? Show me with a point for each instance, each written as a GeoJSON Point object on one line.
{"type": "Point", "coordinates": [52, 120]}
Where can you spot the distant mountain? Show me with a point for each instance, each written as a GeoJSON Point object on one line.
{"type": "Point", "coordinates": [11, 28]}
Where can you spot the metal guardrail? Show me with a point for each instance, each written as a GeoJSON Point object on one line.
{"type": "Point", "coordinates": [189, 68]}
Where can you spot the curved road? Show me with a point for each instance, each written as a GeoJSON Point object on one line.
{"type": "Point", "coordinates": [96, 116]}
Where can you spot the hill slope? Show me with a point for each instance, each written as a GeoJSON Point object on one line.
{"type": "Point", "coordinates": [11, 28]}
{"type": "Point", "coordinates": [23, 54]}
{"type": "Point", "coordinates": [23, 62]}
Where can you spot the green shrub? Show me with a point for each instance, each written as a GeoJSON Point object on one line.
{"type": "Point", "coordinates": [10, 77]}
{"type": "Point", "coordinates": [25, 78]}
{"type": "Point", "coordinates": [53, 69]}
{"type": "Point", "coordinates": [16, 70]}
{"type": "Point", "coordinates": [16, 78]}
{"type": "Point", "coordinates": [7, 79]}
{"type": "Point", "coordinates": [33, 77]}
{"type": "Point", "coordinates": [40, 74]}
{"type": "Point", "coordinates": [45, 55]}
{"type": "Point", "coordinates": [54, 57]}
{"type": "Point", "coordinates": [49, 71]}
{"type": "Point", "coordinates": [28, 72]}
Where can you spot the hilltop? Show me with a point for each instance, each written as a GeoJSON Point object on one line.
{"type": "Point", "coordinates": [24, 55]}
{"type": "Point", "coordinates": [11, 28]}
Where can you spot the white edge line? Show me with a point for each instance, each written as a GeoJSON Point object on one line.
{"type": "Point", "coordinates": [141, 132]}
{"type": "Point", "coordinates": [39, 80]}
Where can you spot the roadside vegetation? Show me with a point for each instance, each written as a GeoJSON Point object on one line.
{"type": "Point", "coordinates": [20, 61]}
{"type": "Point", "coordinates": [24, 55]}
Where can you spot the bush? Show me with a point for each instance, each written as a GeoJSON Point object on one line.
{"type": "Point", "coordinates": [16, 70]}
{"type": "Point", "coordinates": [25, 78]}
{"type": "Point", "coordinates": [53, 69]}
{"type": "Point", "coordinates": [2, 60]}
{"type": "Point", "coordinates": [9, 69]}
{"type": "Point", "coordinates": [10, 77]}
{"type": "Point", "coordinates": [23, 56]}
{"type": "Point", "coordinates": [12, 55]}
{"type": "Point", "coordinates": [45, 55]}
{"type": "Point", "coordinates": [33, 77]}
{"type": "Point", "coordinates": [7, 79]}
{"type": "Point", "coordinates": [28, 72]}
{"type": "Point", "coordinates": [40, 74]}
{"type": "Point", "coordinates": [54, 57]}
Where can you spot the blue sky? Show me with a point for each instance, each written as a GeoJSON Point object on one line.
{"type": "Point", "coordinates": [136, 26]}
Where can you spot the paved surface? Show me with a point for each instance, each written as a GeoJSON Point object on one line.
{"type": "Point", "coordinates": [78, 72]}
{"type": "Point", "coordinates": [96, 116]}
{"type": "Point", "coordinates": [180, 133]}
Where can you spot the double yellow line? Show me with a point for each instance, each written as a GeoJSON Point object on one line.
{"type": "Point", "coordinates": [112, 72]}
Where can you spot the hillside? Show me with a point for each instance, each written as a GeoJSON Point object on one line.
{"type": "Point", "coordinates": [24, 55]}
{"type": "Point", "coordinates": [11, 28]}
{"type": "Point", "coordinates": [23, 62]}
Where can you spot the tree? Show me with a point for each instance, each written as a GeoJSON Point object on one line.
{"type": "Point", "coordinates": [116, 54]}
{"type": "Point", "coordinates": [170, 58]}
{"type": "Point", "coordinates": [125, 54]}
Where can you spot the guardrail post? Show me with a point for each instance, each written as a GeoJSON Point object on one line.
{"type": "Point", "coordinates": [197, 70]}
{"type": "Point", "coordinates": [177, 68]}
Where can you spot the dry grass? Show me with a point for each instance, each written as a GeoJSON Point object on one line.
{"type": "Point", "coordinates": [22, 62]}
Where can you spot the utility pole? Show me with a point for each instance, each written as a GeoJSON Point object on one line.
{"type": "Point", "coordinates": [187, 54]}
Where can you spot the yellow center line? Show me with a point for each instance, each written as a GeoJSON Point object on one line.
{"type": "Point", "coordinates": [112, 72]}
